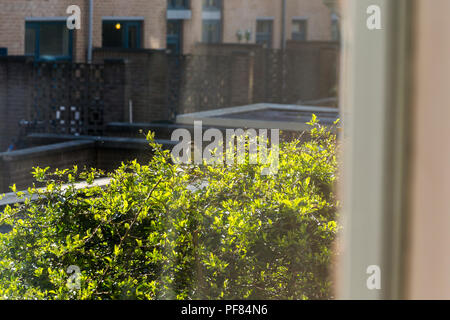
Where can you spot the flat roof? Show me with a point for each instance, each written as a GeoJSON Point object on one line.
{"type": "Point", "coordinates": [262, 116]}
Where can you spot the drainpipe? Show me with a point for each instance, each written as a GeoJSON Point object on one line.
{"type": "Point", "coordinates": [283, 42]}
{"type": "Point", "coordinates": [91, 18]}
{"type": "Point", "coordinates": [283, 25]}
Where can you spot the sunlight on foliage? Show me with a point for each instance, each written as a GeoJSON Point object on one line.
{"type": "Point", "coordinates": [165, 231]}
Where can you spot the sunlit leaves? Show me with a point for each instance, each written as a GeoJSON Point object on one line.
{"type": "Point", "coordinates": [165, 231]}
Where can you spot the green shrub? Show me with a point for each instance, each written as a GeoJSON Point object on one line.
{"type": "Point", "coordinates": [165, 231]}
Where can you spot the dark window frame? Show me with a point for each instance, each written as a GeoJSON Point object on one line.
{"type": "Point", "coordinates": [36, 25]}
{"type": "Point", "coordinates": [177, 38]}
{"type": "Point", "coordinates": [335, 28]}
{"type": "Point", "coordinates": [171, 5]}
{"type": "Point", "coordinates": [125, 25]}
{"type": "Point", "coordinates": [216, 6]}
{"type": "Point", "coordinates": [211, 22]}
{"type": "Point", "coordinates": [265, 37]}
{"type": "Point", "coordinates": [299, 36]}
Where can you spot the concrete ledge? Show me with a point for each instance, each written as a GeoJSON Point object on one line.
{"type": "Point", "coordinates": [11, 198]}
{"type": "Point", "coordinates": [45, 150]}
{"type": "Point", "coordinates": [100, 141]}
{"type": "Point", "coordinates": [125, 50]}
{"type": "Point", "coordinates": [179, 14]}
{"type": "Point", "coordinates": [64, 151]}
{"type": "Point", "coordinates": [163, 130]}
{"type": "Point", "coordinates": [16, 166]}
{"type": "Point", "coordinates": [212, 15]}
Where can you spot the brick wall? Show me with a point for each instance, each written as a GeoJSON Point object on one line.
{"type": "Point", "coordinates": [237, 14]}
{"type": "Point", "coordinates": [216, 76]}
{"type": "Point", "coordinates": [33, 93]}
{"type": "Point", "coordinates": [249, 74]}
{"type": "Point", "coordinates": [14, 12]}
{"type": "Point", "coordinates": [16, 167]}
{"type": "Point", "coordinates": [64, 151]}
{"type": "Point", "coordinates": [318, 17]}
{"type": "Point", "coordinates": [12, 22]}
{"type": "Point", "coordinates": [312, 70]}
{"type": "Point", "coordinates": [242, 15]}
{"type": "Point", "coordinates": [242, 69]}
{"type": "Point", "coordinates": [153, 11]}
{"type": "Point", "coordinates": [116, 91]}
{"type": "Point", "coordinates": [146, 79]}
{"type": "Point", "coordinates": [192, 29]}
{"type": "Point", "coordinates": [15, 97]}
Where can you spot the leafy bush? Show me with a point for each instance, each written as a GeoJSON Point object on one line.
{"type": "Point", "coordinates": [166, 231]}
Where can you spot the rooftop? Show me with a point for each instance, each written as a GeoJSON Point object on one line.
{"type": "Point", "coordinates": [262, 115]}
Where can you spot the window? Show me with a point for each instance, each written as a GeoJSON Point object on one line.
{"type": "Point", "coordinates": [212, 4]}
{"type": "Point", "coordinates": [122, 34]}
{"type": "Point", "coordinates": [231, 119]}
{"type": "Point", "coordinates": [264, 32]}
{"type": "Point", "coordinates": [174, 36]}
{"type": "Point", "coordinates": [49, 40]}
{"type": "Point", "coordinates": [212, 31]}
{"type": "Point", "coordinates": [335, 29]}
{"type": "Point", "coordinates": [178, 4]}
{"type": "Point", "coordinates": [299, 29]}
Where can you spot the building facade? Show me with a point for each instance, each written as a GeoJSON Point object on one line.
{"type": "Point", "coordinates": [262, 20]}
{"type": "Point", "coordinates": [249, 21]}
{"type": "Point", "coordinates": [38, 27]}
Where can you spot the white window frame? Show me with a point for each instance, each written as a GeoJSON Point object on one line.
{"type": "Point", "coordinates": [374, 100]}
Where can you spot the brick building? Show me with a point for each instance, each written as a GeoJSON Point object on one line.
{"type": "Point", "coordinates": [37, 27]}
{"type": "Point", "coordinates": [250, 21]}
{"type": "Point", "coordinates": [304, 20]}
